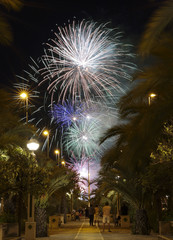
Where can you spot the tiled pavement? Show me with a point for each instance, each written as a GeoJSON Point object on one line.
{"type": "Point", "coordinates": [76, 230]}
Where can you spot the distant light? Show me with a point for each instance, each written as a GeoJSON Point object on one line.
{"type": "Point", "coordinates": [33, 145]}
{"type": "Point", "coordinates": [56, 151]}
{"type": "Point", "coordinates": [63, 162]}
{"type": "Point", "coordinates": [117, 177]}
{"type": "Point", "coordinates": [152, 95]}
{"type": "Point", "coordinates": [46, 133]}
{"type": "Point", "coordinates": [74, 118]}
{"type": "Point", "coordinates": [24, 95]}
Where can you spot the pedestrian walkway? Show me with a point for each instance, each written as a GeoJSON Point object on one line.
{"type": "Point", "coordinates": [80, 230]}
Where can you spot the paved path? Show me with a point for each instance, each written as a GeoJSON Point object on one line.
{"type": "Point", "coordinates": [82, 231]}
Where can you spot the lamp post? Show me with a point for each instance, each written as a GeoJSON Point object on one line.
{"type": "Point", "coordinates": [71, 207]}
{"type": "Point", "coordinates": [46, 133]}
{"type": "Point", "coordinates": [151, 95]}
{"type": "Point", "coordinates": [30, 225]}
{"type": "Point", "coordinates": [88, 184]}
{"type": "Point", "coordinates": [24, 96]}
{"type": "Point", "coordinates": [57, 152]}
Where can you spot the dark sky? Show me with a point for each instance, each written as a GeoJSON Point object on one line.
{"type": "Point", "coordinates": [32, 25]}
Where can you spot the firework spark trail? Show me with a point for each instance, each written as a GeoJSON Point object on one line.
{"type": "Point", "coordinates": [85, 59]}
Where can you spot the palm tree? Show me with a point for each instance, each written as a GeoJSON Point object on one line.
{"type": "Point", "coordinates": [117, 180]}
{"type": "Point", "coordinates": [161, 20]}
{"type": "Point", "coordinates": [40, 213]}
{"type": "Point", "coordinates": [6, 36]}
{"type": "Point", "coordinates": [143, 123]}
{"type": "Point", "coordinates": [61, 181]}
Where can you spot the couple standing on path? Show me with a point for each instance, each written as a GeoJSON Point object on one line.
{"type": "Point", "coordinates": [94, 215]}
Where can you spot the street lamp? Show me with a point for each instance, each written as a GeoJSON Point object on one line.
{"type": "Point", "coordinates": [46, 133]}
{"type": "Point", "coordinates": [88, 184]}
{"type": "Point", "coordinates": [24, 96]}
{"type": "Point", "coordinates": [151, 95]}
{"type": "Point", "coordinates": [32, 145]}
{"type": "Point", "coordinates": [63, 162]}
{"type": "Point", "coordinates": [30, 226]}
{"type": "Point", "coordinates": [57, 152]}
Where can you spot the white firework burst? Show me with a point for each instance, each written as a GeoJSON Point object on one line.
{"type": "Point", "coordinates": [86, 60]}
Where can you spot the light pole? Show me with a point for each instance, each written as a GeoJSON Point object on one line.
{"type": "Point", "coordinates": [57, 152]}
{"type": "Point", "coordinates": [118, 203]}
{"type": "Point", "coordinates": [71, 207]}
{"type": "Point", "coordinates": [88, 184]}
{"type": "Point", "coordinates": [46, 133]}
{"type": "Point", "coordinates": [24, 96]}
{"type": "Point", "coordinates": [151, 95]}
{"type": "Point", "coordinates": [30, 226]}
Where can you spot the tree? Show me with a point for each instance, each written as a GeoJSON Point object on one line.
{"type": "Point", "coordinates": [115, 178]}
{"type": "Point", "coordinates": [6, 36]}
{"type": "Point", "coordinates": [20, 175]}
{"type": "Point", "coordinates": [159, 22]}
{"type": "Point", "coordinates": [141, 131]}
{"type": "Point", "coordinates": [62, 181]}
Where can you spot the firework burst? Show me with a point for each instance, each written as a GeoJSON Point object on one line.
{"type": "Point", "coordinates": [83, 167]}
{"type": "Point", "coordinates": [64, 115]}
{"type": "Point", "coordinates": [84, 65]}
{"type": "Point", "coordinates": [82, 137]}
{"type": "Point", "coordinates": [85, 60]}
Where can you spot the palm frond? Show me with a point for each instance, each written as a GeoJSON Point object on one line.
{"type": "Point", "coordinates": [157, 24]}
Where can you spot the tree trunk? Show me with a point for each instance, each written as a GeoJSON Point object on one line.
{"type": "Point", "coordinates": [19, 211]}
{"type": "Point", "coordinates": [64, 207]}
{"type": "Point", "coordinates": [41, 222]}
{"type": "Point", "coordinates": [141, 223]}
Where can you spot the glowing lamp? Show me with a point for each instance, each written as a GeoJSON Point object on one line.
{"type": "Point", "coordinates": [46, 133]}
{"type": "Point", "coordinates": [56, 151]}
{"type": "Point", "coordinates": [152, 95]}
{"type": "Point", "coordinates": [33, 145]}
{"type": "Point", "coordinates": [63, 162]}
{"type": "Point", "coordinates": [24, 95]}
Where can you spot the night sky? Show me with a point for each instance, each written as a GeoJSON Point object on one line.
{"type": "Point", "coordinates": [32, 26]}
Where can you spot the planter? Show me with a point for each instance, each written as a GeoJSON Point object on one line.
{"type": "Point", "coordinates": [166, 227]}
{"type": "Point", "coordinates": [125, 221]}
{"type": "Point", "coordinates": [54, 222]}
